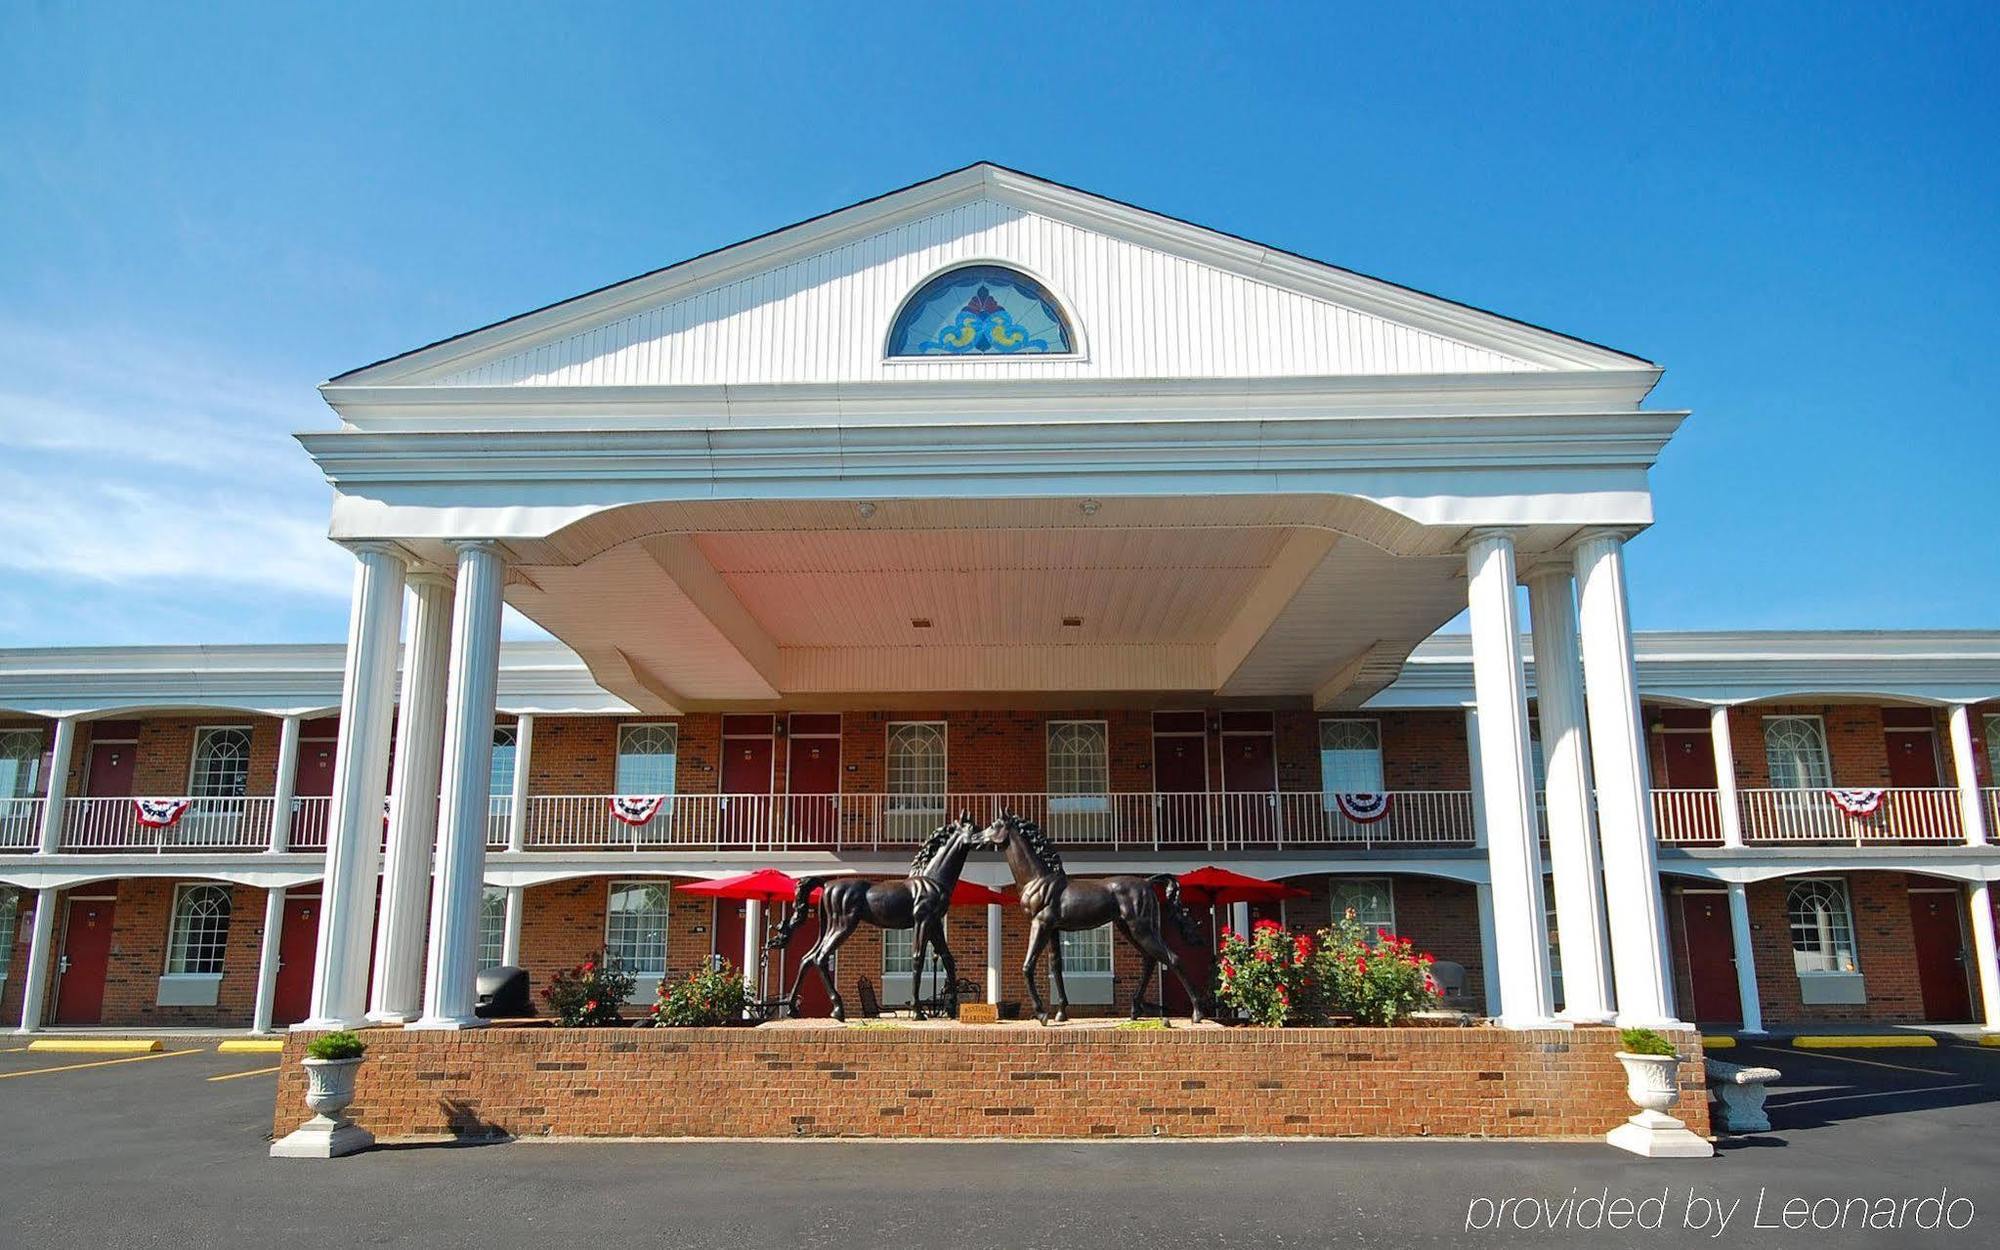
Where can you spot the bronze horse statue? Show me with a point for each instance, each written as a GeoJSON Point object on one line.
{"type": "Point", "coordinates": [917, 902]}
{"type": "Point", "coordinates": [1056, 904]}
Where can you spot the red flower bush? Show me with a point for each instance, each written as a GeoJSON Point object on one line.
{"type": "Point", "coordinates": [1277, 978]}
{"type": "Point", "coordinates": [588, 995]}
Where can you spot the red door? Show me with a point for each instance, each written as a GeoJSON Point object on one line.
{"type": "Point", "coordinates": [1250, 776]}
{"type": "Point", "coordinates": [313, 779]}
{"type": "Point", "coordinates": [1913, 758]}
{"type": "Point", "coordinates": [1197, 959]}
{"type": "Point", "coordinates": [812, 772]}
{"type": "Point", "coordinates": [1690, 761]}
{"type": "Point", "coordinates": [746, 779]}
{"type": "Point", "coordinates": [112, 766]}
{"type": "Point", "coordinates": [1711, 953]}
{"type": "Point", "coordinates": [1180, 776]}
{"type": "Point", "coordinates": [86, 955]}
{"type": "Point", "coordinates": [298, 942]}
{"type": "Point", "coordinates": [1690, 765]}
{"type": "Point", "coordinates": [812, 991]}
{"type": "Point", "coordinates": [1939, 940]}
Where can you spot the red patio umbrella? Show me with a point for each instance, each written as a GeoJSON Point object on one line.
{"type": "Point", "coordinates": [1212, 887]}
{"type": "Point", "coordinates": [764, 885]}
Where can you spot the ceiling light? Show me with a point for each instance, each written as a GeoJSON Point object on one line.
{"type": "Point", "coordinates": [865, 509]}
{"type": "Point", "coordinates": [1072, 622]}
{"type": "Point", "coordinates": [1090, 507]}
{"type": "Point", "coordinates": [920, 622]}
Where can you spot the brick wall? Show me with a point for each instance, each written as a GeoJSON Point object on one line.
{"type": "Point", "coordinates": [995, 1081]}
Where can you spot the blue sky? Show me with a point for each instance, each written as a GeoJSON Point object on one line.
{"type": "Point", "coordinates": [202, 217]}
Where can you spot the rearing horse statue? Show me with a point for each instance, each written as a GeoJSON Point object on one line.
{"type": "Point", "coordinates": [1056, 904]}
{"type": "Point", "coordinates": [917, 902]}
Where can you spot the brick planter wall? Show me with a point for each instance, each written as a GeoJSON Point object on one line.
{"type": "Point", "coordinates": [990, 1082]}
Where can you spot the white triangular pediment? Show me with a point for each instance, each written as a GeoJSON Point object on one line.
{"type": "Point", "coordinates": [1150, 298]}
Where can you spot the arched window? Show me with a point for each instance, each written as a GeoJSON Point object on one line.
{"type": "Point", "coordinates": [1822, 926]}
{"type": "Point", "coordinates": [980, 310]}
{"type": "Point", "coordinates": [221, 763]}
{"type": "Point", "coordinates": [200, 930]}
{"type": "Point", "coordinates": [1795, 749]}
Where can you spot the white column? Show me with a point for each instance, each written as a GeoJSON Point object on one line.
{"type": "Point", "coordinates": [996, 936]}
{"type": "Point", "coordinates": [397, 995]}
{"type": "Point", "coordinates": [510, 935]}
{"type": "Point", "coordinates": [287, 785]}
{"type": "Point", "coordinates": [360, 778]}
{"type": "Point", "coordinates": [1966, 770]}
{"type": "Point", "coordinates": [1746, 958]}
{"type": "Point", "coordinates": [459, 874]}
{"type": "Point", "coordinates": [267, 959]}
{"type": "Point", "coordinates": [517, 807]}
{"type": "Point", "coordinates": [1513, 851]}
{"type": "Point", "coordinates": [1979, 901]}
{"type": "Point", "coordinates": [1725, 776]}
{"type": "Point", "coordinates": [1239, 919]}
{"type": "Point", "coordinates": [35, 980]}
{"type": "Point", "coordinates": [1579, 879]}
{"type": "Point", "coordinates": [753, 940]}
{"type": "Point", "coordinates": [1489, 964]}
{"type": "Point", "coordinates": [1624, 789]}
{"type": "Point", "coordinates": [58, 787]}
{"type": "Point", "coordinates": [1478, 778]}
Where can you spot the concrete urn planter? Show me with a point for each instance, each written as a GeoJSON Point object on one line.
{"type": "Point", "coordinates": [1652, 1082]}
{"type": "Point", "coordinates": [328, 1135]}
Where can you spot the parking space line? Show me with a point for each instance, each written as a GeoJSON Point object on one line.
{"type": "Point", "coordinates": [233, 1076]}
{"type": "Point", "coordinates": [1788, 1103]}
{"type": "Point", "coordinates": [1877, 1063]}
{"type": "Point", "coordinates": [97, 1063]}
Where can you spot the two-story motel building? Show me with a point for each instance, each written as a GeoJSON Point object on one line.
{"type": "Point", "coordinates": [992, 493]}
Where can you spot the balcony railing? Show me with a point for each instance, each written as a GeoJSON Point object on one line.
{"type": "Point", "coordinates": [20, 824]}
{"type": "Point", "coordinates": [104, 824]}
{"type": "Point", "coordinates": [1687, 817]}
{"type": "Point", "coordinates": [1125, 821]}
{"type": "Point", "coordinates": [1904, 816]}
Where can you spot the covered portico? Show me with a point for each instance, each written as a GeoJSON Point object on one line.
{"type": "Point", "coordinates": [1244, 480]}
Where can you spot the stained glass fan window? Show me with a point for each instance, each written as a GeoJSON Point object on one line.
{"type": "Point", "coordinates": [980, 310]}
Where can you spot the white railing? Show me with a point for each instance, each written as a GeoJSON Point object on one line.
{"type": "Point", "coordinates": [20, 824]}
{"type": "Point", "coordinates": [1687, 817]}
{"type": "Point", "coordinates": [1125, 821]}
{"type": "Point", "coordinates": [103, 824]}
{"type": "Point", "coordinates": [499, 815]}
{"type": "Point", "coordinates": [1906, 815]}
{"type": "Point", "coordinates": [1993, 814]}
{"type": "Point", "coordinates": [309, 818]}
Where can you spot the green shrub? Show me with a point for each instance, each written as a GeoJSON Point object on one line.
{"type": "Point", "coordinates": [706, 997]}
{"type": "Point", "coordinates": [341, 1045]}
{"type": "Point", "coordinates": [1644, 1042]}
{"type": "Point", "coordinates": [1278, 978]}
{"type": "Point", "coordinates": [588, 995]}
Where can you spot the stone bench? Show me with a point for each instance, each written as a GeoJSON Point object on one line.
{"type": "Point", "coordinates": [1738, 1092]}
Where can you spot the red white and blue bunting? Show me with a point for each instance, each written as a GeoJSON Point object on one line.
{"type": "Point", "coordinates": [160, 813]}
{"type": "Point", "coordinates": [1857, 802]}
{"type": "Point", "coordinates": [636, 809]}
{"type": "Point", "coordinates": [1363, 808]}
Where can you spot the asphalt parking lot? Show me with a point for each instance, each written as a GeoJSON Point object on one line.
{"type": "Point", "coordinates": [169, 1150]}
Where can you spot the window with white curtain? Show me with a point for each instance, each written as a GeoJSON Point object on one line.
{"type": "Point", "coordinates": [1372, 898]}
{"type": "Point", "coordinates": [1795, 749]}
{"type": "Point", "coordinates": [500, 781]}
{"type": "Point", "coordinates": [1087, 952]}
{"type": "Point", "coordinates": [492, 925]}
{"type": "Point", "coordinates": [915, 766]}
{"type": "Point", "coordinates": [10, 911]}
{"type": "Point", "coordinates": [1350, 757]}
{"type": "Point", "coordinates": [1079, 766]}
{"type": "Point", "coordinates": [646, 755]}
{"type": "Point", "coordinates": [20, 762]}
{"type": "Point", "coordinates": [221, 763]}
{"type": "Point", "coordinates": [635, 930]}
{"type": "Point", "coordinates": [200, 931]}
{"type": "Point", "coordinates": [1822, 924]}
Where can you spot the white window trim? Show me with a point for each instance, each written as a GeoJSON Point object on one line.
{"type": "Point", "coordinates": [181, 890]}
{"type": "Point", "coordinates": [1825, 744]}
{"type": "Point", "coordinates": [1349, 878]}
{"type": "Point", "coordinates": [1853, 930]}
{"type": "Point", "coordinates": [645, 981]}
{"type": "Point", "coordinates": [1096, 803]}
{"type": "Point", "coordinates": [944, 734]}
{"type": "Point", "coordinates": [1077, 353]}
{"type": "Point", "coordinates": [618, 748]}
{"type": "Point", "coordinates": [194, 752]}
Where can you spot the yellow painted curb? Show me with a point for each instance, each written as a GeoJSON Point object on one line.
{"type": "Point", "coordinates": [251, 1046]}
{"type": "Point", "coordinates": [1717, 1043]}
{"type": "Point", "coordinates": [96, 1045]}
{"type": "Point", "coordinates": [1866, 1041]}
{"type": "Point", "coordinates": [1989, 1039]}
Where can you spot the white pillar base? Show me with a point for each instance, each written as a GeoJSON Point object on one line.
{"type": "Point", "coordinates": [392, 1017]}
{"type": "Point", "coordinates": [1655, 1135]}
{"type": "Point", "coordinates": [449, 1023]}
{"type": "Point", "coordinates": [322, 1138]}
{"type": "Point", "coordinates": [1574, 1018]}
